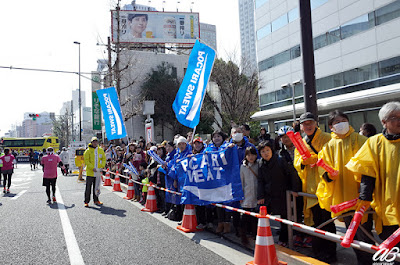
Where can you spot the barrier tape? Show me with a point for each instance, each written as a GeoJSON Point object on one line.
{"type": "Point", "coordinates": [148, 185]}
{"type": "Point", "coordinates": [307, 229]}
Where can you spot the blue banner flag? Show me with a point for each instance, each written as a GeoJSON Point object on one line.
{"type": "Point", "coordinates": [114, 122]}
{"type": "Point", "coordinates": [189, 99]}
{"type": "Point", "coordinates": [211, 178]}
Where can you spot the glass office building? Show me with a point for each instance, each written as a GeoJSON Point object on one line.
{"type": "Point", "coordinates": [357, 59]}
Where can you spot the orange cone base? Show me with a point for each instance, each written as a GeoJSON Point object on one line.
{"type": "Point", "coordinates": [148, 210]}
{"type": "Point", "coordinates": [117, 189]}
{"type": "Point", "coordinates": [187, 230]}
{"type": "Point", "coordinates": [253, 263]}
{"type": "Point", "coordinates": [107, 182]}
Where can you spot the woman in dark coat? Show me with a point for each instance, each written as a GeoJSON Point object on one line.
{"type": "Point", "coordinates": [275, 177]}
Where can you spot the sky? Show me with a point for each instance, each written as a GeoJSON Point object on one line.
{"type": "Point", "coordinates": [41, 35]}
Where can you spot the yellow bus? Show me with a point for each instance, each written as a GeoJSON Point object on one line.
{"type": "Point", "coordinates": [36, 143]}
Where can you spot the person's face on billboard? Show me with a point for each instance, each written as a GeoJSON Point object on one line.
{"type": "Point", "coordinates": [138, 25]}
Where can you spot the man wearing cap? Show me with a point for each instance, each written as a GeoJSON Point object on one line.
{"type": "Point", "coordinates": [315, 139]}
{"type": "Point", "coordinates": [95, 160]}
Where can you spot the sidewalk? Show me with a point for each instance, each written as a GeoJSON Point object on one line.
{"type": "Point", "coordinates": [298, 255]}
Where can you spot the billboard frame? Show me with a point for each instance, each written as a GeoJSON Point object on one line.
{"type": "Point", "coordinates": [156, 43]}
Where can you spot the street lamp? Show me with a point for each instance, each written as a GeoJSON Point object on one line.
{"type": "Point", "coordinates": [292, 85]}
{"type": "Point", "coordinates": [79, 101]}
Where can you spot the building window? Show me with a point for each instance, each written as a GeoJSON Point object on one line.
{"type": "Point", "coordinates": [263, 32]}
{"type": "Point", "coordinates": [267, 98]}
{"type": "Point", "coordinates": [317, 3]}
{"type": "Point", "coordinates": [260, 3]}
{"type": "Point", "coordinates": [295, 52]}
{"type": "Point", "coordinates": [361, 74]}
{"type": "Point", "coordinates": [293, 14]}
{"type": "Point", "coordinates": [333, 36]}
{"type": "Point", "coordinates": [279, 22]}
{"type": "Point", "coordinates": [357, 25]}
{"type": "Point", "coordinates": [387, 13]}
{"type": "Point", "coordinates": [282, 57]}
{"type": "Point", "coordinates": [320, 41]}
{"type": "Point", "coordinates": [389, 67]}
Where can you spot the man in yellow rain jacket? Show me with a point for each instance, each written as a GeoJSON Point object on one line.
{"type": "Point", "coordinates": [378, 166]}
{"type": "Point", "coordinates": [308, 173]}
{"type": "Point", "coordinates": [333, 190]}
{"type": "Point", "coordinates": [95, 160]}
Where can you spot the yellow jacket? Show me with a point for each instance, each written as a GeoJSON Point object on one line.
{"type": "Point", "coordinates": [309, 175]}
{"type": "Point", "coordinates": [380, 158]}
{"type": "Point", "coordinates": [337, 153]}
{"type": "Point", "coordinates": [89, 157]}
{"type": "Point", "coordinates": [79, 161]}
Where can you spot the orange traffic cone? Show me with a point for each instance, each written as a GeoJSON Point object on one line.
{"type": "Point", "coordinates": [189, 221]}
{"type": "Point", "coordinates": [107, 181]}
{"type": "Point", "coordinates": [264, 253]}
{"type": "Point", "coordinates": [117, 183]}
{"type": "Point", "coordinates": [130, 193]}
{"type": "Point", "coordinates": [151, 202]}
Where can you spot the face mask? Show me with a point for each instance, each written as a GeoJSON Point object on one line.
{"type": "Point", "coordinates": [341, 128]}
{"type": "Point", "coordinates": [237, 137]}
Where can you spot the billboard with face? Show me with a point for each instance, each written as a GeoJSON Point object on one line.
{"type": "Point", "coordinates": [155, 27]}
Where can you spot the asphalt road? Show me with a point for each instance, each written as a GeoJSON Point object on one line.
{"type": "Point", "coordinates": [33, 232]}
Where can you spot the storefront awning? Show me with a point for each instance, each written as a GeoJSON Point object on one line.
{"type": "Point", "coordinates": [364, 97]}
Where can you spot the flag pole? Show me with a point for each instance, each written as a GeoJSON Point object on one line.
{"type": "Point", "coordinates": [194, 131]}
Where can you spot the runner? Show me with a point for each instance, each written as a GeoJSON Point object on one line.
{"type": "Point", "coordinates": [49, 163]}
{"type": "Point", "coordinates": [7, 162]}
{"type": "Point", "coordinates": [32, 159]}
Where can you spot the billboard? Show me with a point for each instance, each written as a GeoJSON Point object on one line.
{"type": "Point", "coordinates": [155, 27]}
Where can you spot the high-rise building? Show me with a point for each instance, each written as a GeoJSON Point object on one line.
{"type": "Point", "coordinates": [357, 62]}
{"type": "Point", "coordinates": [208, 34]}
{"type": "Point", "coordinates": [247, 34]}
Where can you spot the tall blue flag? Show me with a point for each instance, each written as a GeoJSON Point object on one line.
{"type": "Point", "coordinates": [114, 122]}
{"type": "Point", "coordinates": [189, 99]}
{"type": "Point", "coordinates": [211, 177]}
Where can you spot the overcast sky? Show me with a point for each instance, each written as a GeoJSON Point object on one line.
{"type": "Point", "coordinates": [40, 34]}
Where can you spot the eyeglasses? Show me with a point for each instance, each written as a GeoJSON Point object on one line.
{"type": "Point", "coordinates": [393, 118]}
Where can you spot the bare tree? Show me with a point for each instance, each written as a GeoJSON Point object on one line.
{"type": "Point", "coordinates": [238, 92]}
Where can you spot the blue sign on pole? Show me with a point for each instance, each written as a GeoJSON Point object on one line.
{"type": "Point", "coordinates": [189, 99]}
{"type": "Point", "coordinates": [114, 122]}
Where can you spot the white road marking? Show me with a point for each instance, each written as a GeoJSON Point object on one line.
{"type": "Point", "coordinates": [74, 253]}
{"type": "Point", "coordinates": [18, 195]}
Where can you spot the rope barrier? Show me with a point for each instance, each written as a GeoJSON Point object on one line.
{"type": "Point", "coordinates": [306, 229]}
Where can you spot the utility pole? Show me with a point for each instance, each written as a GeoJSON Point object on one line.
{"type": "Point", "coordinates": [117, 50]}
{"type": "Point", "coordinates": [72, 120]}
{"type": "Point", "coordinates": [307, 49]}
{"type": "Point", "coordinates": [109, 79]}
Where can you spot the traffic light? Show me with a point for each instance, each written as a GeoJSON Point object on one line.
{"type": "Point", "coordinates": [34, 116]}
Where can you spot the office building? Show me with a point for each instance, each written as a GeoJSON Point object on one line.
{"type": "Point", "coordinates": [247, 35]}
{"type": "Point", "coordinates": [357, 60]}
{"type": "Point", "coordinates": [208, 34]}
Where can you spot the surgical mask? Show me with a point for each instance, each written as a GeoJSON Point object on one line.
{"type": "Point", "coordinates": [237, 137]}
{"type": "Point", "coordinates": [341, 128]}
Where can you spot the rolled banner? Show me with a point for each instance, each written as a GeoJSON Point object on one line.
{"type": "Point", "coordinates": [156, 157]}
{"type": "Point", "coordinates": [329, 169]}
{"type": "Point", "coordinates": [299, 144]}
{"type": "Point", "coordinates": [343, 206]}
{"type": "Point", "coordinates": [351, 231]}
{"type": "Point", "coordinates": [391, 241]}
{"type": "Point", "coordinates": [133, 169]}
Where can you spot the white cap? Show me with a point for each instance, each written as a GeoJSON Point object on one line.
{"type": "Point", "coordinates": [153, 148]}
{"type": "Point", "coordinates": [181, 139]}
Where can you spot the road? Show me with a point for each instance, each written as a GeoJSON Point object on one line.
{"type": "Point", "coordinates": [33, 232]}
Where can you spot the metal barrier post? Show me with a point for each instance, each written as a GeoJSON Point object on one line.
{"type": "Point", "coordinates": [290, 217]}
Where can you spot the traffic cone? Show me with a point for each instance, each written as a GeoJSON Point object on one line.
{"type": "Point", "coordinates": [151, 202]}
{"type": "Point", "coordinates": [107, 181]}
{"type": "Point", "coordinates": [130, 193]}
{"type": "Point", "coordinates": [189, 221]}
{"type": "Point", "coordinates": [117, 183]}
{"type": "Point", "coordinates": [264, 253]}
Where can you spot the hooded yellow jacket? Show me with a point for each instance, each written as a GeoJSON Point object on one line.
{"type": "Point", "coordinates": [309, 174]}
{"type": "Point", "coordinates": [380, 158]}
{"type": "Point", "coordinates": [89, 157]}
{"type": "Point", "coordinates": [337, 153]}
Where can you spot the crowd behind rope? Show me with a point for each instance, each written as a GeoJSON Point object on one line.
{"type": "Point", "coordinates": [270, 167]}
